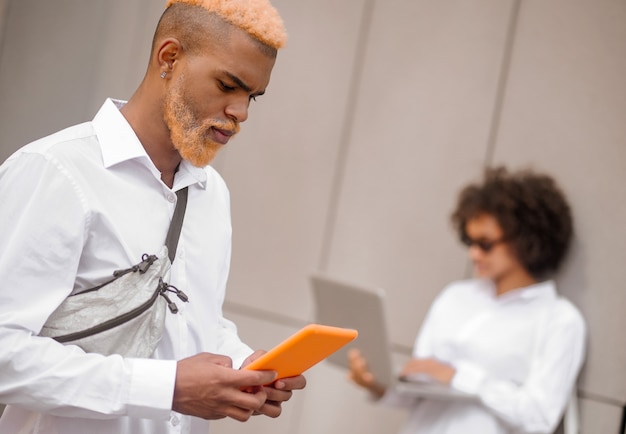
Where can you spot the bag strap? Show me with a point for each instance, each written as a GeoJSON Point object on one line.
{"type": "Point", "coordinates": [173, 233]}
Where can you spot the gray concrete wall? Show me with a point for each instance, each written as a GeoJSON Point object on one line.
{"type": "Point", "coordinates": [378, 112]}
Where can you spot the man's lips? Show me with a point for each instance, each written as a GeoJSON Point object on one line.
{"type": "Point", "coordinates": [221, 136]}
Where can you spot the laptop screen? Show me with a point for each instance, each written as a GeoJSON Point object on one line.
{"type": "Point", "coordinates": [343, 304]}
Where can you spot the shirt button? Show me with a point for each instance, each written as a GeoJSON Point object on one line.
{"type": "Point", "coordinates": [171, 198]}
{"type": "Point", "coordinates": [175, 420]}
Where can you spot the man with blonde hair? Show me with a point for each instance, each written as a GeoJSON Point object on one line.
{"type": "Point", "coordinates": [94, 197]}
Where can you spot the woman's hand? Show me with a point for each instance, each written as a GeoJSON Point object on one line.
{"type": "Point", "coordinates": [438, 371]}
{"type": "Point", "coordinates": [361, 375]}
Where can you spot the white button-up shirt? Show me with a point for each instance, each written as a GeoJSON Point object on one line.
{"type": "Point", "coordinates": [77, 205]}
{"type": "Point", "coordinates": [519, 353]}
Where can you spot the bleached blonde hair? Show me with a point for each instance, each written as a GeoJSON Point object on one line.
{"type": "Point", "coordinates": [256, 17]}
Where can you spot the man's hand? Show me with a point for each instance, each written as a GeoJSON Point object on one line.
{"type": "Point", "coordinates": [208, 387]}
{"type": "Point", "coordinates": [277, 392]}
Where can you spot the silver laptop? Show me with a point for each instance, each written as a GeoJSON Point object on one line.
{"type": "Point", "coordinates": [344, 304]}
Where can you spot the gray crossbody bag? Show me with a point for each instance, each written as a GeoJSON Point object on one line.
{"type": "Point", "coordinates": [125, 315]}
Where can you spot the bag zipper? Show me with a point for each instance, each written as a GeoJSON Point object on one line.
{"type": "Point", "coordinates": [142, 267]}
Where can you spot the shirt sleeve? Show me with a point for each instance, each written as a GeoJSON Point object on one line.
{"type": "Point", "coordinates": [230, 343]}
{"type": "Point", "coordinates": [44, 222]}
{"type": "Point", "coordinates": [537, 405]}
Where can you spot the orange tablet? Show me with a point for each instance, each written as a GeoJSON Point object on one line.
{"type": "Point", "coordinates": [307, 347]}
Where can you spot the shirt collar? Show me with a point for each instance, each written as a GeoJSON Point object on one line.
{"type": "Point", "coordinates": [117, 138]}
{"type": "Point", "coordinates": [189, 174]}
{"type": "Point", "coordinates": [119, 143]}
{"type": "Point", "coordinates": [545, 289]}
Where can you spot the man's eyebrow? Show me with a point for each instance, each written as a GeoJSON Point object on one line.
{"type": "Point", "coordinates": [239, 82]}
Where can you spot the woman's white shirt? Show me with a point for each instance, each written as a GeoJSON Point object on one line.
{"type": "Point", "coordinates": [520, 353]}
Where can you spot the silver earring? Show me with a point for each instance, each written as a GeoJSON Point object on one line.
{"type": "Point", "coordinates": [163, 74]}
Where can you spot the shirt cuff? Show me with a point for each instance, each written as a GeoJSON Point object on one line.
{"type": "Point", "coordinates": [469, 378]}
{"type": "Point", "coordinates": [152, 388]}
{"type": "Point", "coordinates": [240, 356]}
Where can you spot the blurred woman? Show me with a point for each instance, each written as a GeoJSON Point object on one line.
{"type": "Point", "coordinates": [505, 336]}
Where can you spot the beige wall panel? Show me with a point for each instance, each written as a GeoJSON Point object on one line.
{"type": "Point", "coordinates": [3, 9]}
{"type": "Point", "coordinates": [40, 70]}
{"type": "Point", "coordinates": [564, 113]}
{"type": "Point", "coordinates": [599, 417]}
{"type": "Point", "coordinates": [125, 48]}
{"type": "Point", "coordinates": [421, 130]}
{"type": "Point", "coordinates": [334, 406]}
{"type": "Point", "coordinates": [61, 59]}
{"type": "Point", "coordinates": [280, 169]}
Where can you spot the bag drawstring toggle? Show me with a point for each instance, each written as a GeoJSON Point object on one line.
{"type": "Point", "coordinates": [164, 288]}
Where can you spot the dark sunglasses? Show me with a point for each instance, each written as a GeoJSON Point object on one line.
{"type": "Point", "coordinates": [482, 244]}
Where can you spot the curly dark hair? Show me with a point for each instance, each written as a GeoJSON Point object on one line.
{"type": "Point", "coordinates": [532, 211]}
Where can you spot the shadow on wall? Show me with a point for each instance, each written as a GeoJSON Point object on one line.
{"type": "Point", "coordinates": [572, 281]}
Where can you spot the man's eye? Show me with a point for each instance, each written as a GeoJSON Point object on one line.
{"type": "Point", "coordinates": [225, 87]}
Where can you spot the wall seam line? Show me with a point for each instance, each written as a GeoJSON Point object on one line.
{"type": "Point", "coordinates": [503, 80]}
{"type": "Point", "coordinates": [346, 133]}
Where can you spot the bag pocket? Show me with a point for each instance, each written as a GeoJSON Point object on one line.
{"type": "Point", "coordinates": [125, 315]}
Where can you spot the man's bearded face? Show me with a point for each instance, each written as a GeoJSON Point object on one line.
{"type": "Point", "coordinates": [192, 137]}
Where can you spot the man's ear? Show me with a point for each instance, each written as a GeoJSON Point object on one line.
{"type": "Point", "coordinates": [168, 53]}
